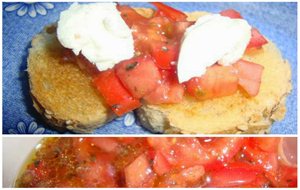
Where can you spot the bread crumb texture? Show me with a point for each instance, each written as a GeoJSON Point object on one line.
{"type": "Point", "coordinates": [61, 88]}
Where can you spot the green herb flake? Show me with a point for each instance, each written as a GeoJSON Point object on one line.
{"type": "Point", "coordinates": [199, 92]}
{"type": "Point", "coordinates": [131, 66]}
{"type": "Point", "coordinates": [93, 158]}
{"type": "Point", "coordinates": [36, 163]}
{"type": "Point", "coordinates": [115, 106]}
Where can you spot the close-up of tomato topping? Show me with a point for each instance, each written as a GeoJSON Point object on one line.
{"type": "Point", "coordinates": [162, 162]}
{"type": "Point", "coordinates": [152, 74]}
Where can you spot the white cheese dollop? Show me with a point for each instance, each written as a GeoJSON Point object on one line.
{"type": "Point", "coordinates": [213, 38]}
{"type": "Point", "coordinates": [98, 31]}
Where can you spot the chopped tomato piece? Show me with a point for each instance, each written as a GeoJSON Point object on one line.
{"type": "Point", "coordinates": [114, 93]}
{"type": "Point", "coordinates": [180, 28]}
{"type": "Point", "coordinates": [231, 13]}
{"type": "Point", "coordinates": [39, 169]}
{"type": "Point", "coordinates": [82, 149]}
{"type": "Point", "coordinates": [98, 171]}
{"type": "Point", "coordinates": [232, 177]}
{"type": "Point", "coordinates": [164, 54]}
{"type": "Point", "coordinates": [266, 160]}
{"type": "Point", "coordinates": [168, 90]}
{"type": "Point", "coordinates": [147, 35]}
{"type": "Point", "coordinates": [286, 177]}
{"type": "Point", "coordinates": [68, 55]}
{"type": "Point", "coordinates": [249, 75]}
{"type": "Point", "coordinates": [160, 164]}
{"type": "Point", "coordinates": [162, 26]}
{"type": "Point", "coordinates": [193, 174]}
{"type": "Point", "coordinates": [127, 140]}
{"type": "Point", "coordinates": [189, 152]}
{"type": "Point", "coordinates": [139, 173]}
{"type": "Point", "coordinates": [170, 12]}
{"type": "Point", "coordinates": [107, 144]}
{"type": "Point", "coordinates": [159, 143]}
{"type": "Point", "coordinates": [267, 144]}
{"type": "Point", "coordinates": [257, 40]}
{"type": "Point", "coordinates": [222, 150]}
{"type": "Point", "coordinates": [86, 65]}
{"type": "Point", "coordinates": [218, 81]}
{"type": "Point", "coordinates": [247, 165]}
{"type": "Point", "coordinates": [189, 177]}
{"type": "Point", "coordinates": [130, 16]}
{"type": "Point", "coordinates": [181, 152]}
{"type": "Point", "coordinates": [139, 75]}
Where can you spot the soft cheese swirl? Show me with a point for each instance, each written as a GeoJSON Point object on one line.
{"type": "Point", "coordinates": [98, 31]}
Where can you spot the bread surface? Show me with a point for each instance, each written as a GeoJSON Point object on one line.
{"type": "Point", "coordinates": [64, 95]}
{"type": "Point", "coordinates": [60, 91]}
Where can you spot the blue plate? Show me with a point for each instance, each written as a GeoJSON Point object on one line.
{"type": "Point", "coordinates": [21, 21]}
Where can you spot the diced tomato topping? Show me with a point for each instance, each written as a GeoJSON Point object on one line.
{"type": "Point", "coordinates": [168, 91]}
{"type": "Point", "coordinates": [249, 75]}
{"type": "Point", "coordinates": [68, 55]}
{"type": "Point", "coordinates": [151, 75]}
{"type": "Point", "coordinates": [114, 93]}
{"type": "Point", "coordinates": [87, 66]}
{"type": "Point", "coordinates": [139, 173]}
{"type": "Point", "coordinates": [98, 171]}
{"type": "Point", "coordinates": [268, 161]}
{"type": "Point", "coordinates": [163, 26]}
{"type": "Point", "coordinates": [160, 164]}
{"type": "Point", "coordinates": [232, 177]}
{"type": "Point", "coordinates": [107, 144]}
{"type": "Point", "coordinates": [231, 13]}
{"type": "Point", "coordinates": [218, 81]}
{"type": "Point", "coordinates": [169, 12]}
{"type": "Point", "coordinates": [187, 152]}
{"type": "Point", "coordinates": [127, 140]}
{"type": "Point", "coordinates": [164, 54]}
{"type": "Point", "coordinates": [80, 60]}
{"type": "Point", "coordinates": [257, 40]}
{"type": "Point", "coordinates": [193, 174]}
{"type": "Point", "coordinates": [139, 75]}
{"type": "Point", "coordinates": [189, 177]}
{"type": "Point", "coordinates": [82, 149]}
{"type": "Point", "coordinates": [180, 27]}
{"type": "Point", "coordinates": [222, 150]}
{"type": "Point", "coordinates": [176, 151]}
{"type": "Point", "coordinates": [267, 144]}
{"type": "Point", "coordinates": [286, 177]}
{"type": "Point", "coordinates": [130, 16]}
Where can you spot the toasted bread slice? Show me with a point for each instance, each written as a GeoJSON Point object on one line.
{"type": "Point", "coordinates": [60, 91]}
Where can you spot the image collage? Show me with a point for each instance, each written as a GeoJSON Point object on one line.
{"type": "Point", "coordinates": [149, 94]}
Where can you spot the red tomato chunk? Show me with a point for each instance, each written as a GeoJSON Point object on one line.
{"type": "Point", "coordinates": [159, 162]}
{"type": "Point", "coordinates": [231, 13]}
{"type": "Point", "coordinates": [114, 93]}
{"type": "Point", "coordinates": [249, 75]}
{"type": "Point", "coordinates": [218, 81]}
{"type": "Point", "coordinates": [139, 75]}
